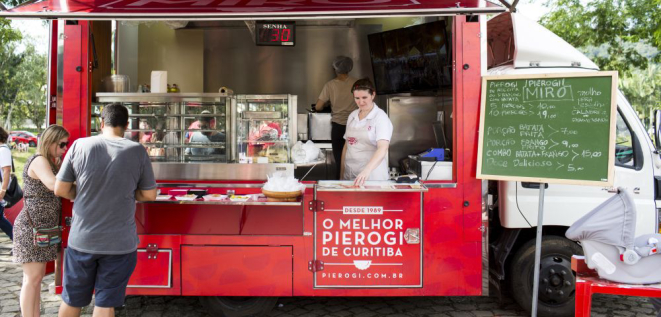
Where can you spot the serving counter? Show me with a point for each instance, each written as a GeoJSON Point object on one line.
{"type": "Point", "coordinates": [255, 216]}
{"type": "Point", "coordinates": [369, 186]}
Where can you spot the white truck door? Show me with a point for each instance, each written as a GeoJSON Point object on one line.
{"type": "Point", "coordinates": [564, 204]}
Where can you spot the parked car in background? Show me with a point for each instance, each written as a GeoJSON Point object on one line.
{"type": "Point", "coordinates": [24, 137]}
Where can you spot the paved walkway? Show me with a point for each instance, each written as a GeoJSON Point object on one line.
{"type": "Point", "coordinates": [168, 306]}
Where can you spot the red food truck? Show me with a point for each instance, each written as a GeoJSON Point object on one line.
{"type": "Point", "coordinates": [238, 250]}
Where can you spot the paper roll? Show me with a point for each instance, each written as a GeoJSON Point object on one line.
{"type": "Point", "coordinates": [159, 81]}
{"type": "Point", "coordinates": [225, 91]}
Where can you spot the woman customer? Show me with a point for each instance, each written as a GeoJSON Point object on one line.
{"type": "Point", "coordinates": [368, 135]}
{"type": "Point", "coordinates": [5, 172]}
{"type": "Point", "coordinates": [42, 209]}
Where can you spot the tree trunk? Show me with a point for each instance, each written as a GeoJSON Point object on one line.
{"type": "Point", "coordinates": [8, 120]}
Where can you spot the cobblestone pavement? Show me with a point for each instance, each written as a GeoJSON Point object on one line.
{"type": "Point", "coordinates": [169, 306]}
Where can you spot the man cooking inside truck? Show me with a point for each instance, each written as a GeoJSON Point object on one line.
{"type": "Point", "coordinates": [337, 91]}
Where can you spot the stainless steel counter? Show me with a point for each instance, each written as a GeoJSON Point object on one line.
{"type": "Point", "coordinates": [219, 171]}
{"type": "Point", "coordinates": [370, 186]}
{"type": "Point", "coordinates": [225, 203]}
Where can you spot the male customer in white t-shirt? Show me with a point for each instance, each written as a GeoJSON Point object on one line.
{"type": "Point", "coordinates": [5, 172]}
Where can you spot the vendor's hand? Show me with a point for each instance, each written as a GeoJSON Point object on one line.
{"type": "Point", "coordinates": [3, 192]}
{"type": "Point", "coordinates": [362, 177]}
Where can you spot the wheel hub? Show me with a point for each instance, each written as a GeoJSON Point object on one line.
{"type": "Point", "coordinates": [556, 280]}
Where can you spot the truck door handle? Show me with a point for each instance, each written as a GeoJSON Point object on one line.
{"type": "Point", "coordinates": [611, 190]}
{"type": "Point", "coordinates": [533, 185]}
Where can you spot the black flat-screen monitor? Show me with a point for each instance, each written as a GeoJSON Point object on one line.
{"type": "Point", "coordinates": [411, 59]}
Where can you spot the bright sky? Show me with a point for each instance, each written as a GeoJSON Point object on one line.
{"type": "Point", "coordinates": [532, 9]}
{"type": "Point", "coordinates": [35, 29]}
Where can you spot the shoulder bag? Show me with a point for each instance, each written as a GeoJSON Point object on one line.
{"type": "Point", "coordinates": [46, 237]}
{"type": "Point", "coordinates": [14, 192]}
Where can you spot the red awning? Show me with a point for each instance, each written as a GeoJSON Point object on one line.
{"type": "Point", "coordinates": [242, 9]}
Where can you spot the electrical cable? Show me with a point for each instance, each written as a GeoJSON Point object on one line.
{"type": "Point", "coordinates": [431, 169]}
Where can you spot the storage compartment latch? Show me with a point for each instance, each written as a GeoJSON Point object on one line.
{"type": "Point", "coordinates": [152, 251]}
{"type": "Point", "coordinates": [316, 205]}
{"type": "Point", "coordinates": [315, 266]}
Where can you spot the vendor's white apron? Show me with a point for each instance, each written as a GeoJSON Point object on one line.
{"type": "Point", "coordinates": [359, 152]}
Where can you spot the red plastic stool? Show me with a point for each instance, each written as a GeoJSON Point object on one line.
{"type": "Point", "coordinates": [588, 283]}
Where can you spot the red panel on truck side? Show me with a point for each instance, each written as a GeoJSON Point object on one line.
{"type": "Point", "coordinates": [236, 271]}
{"type": "Point", "coordinates": [160, 274]}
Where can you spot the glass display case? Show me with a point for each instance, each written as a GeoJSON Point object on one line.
{"type": "Point", "coordinates": [174, 127]}
{"type": "Point", "coordinates": [265, 128]}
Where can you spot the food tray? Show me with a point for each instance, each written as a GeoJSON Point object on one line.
{"type": "Point", "coordinates": [163, 197]}
{"type": "Point", "coordinates": [240, 198]}
{"type": "Point", "coordinates": [272, 194]}
{"type": "Point", "coordinates": [186, 197]}
{"type": "Point", "coordinates": [214, 197]}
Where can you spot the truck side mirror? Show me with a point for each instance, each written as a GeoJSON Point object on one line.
{"type": "Point", "coordinates": [657, 126]}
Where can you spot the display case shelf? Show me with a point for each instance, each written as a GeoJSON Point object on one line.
{"type": "Point", "coordinates": [175, 127]}
{"type": "Point", "coordinates": [271, 118]}
{"type": "Point", "coordinates": [257, 119]}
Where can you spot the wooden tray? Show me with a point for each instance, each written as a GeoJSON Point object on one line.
{"type": "Point", "coordinates": [272, 194]}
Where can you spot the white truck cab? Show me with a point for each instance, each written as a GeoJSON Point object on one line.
{"type": "Point", "coordinates": [517, 45]}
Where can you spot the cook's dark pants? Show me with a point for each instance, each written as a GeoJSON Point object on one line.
{"type": "Point", "coordinates": [337, 141]}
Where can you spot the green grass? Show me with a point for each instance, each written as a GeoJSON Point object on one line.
{"type": "Point", "coordinates": [19, 162]}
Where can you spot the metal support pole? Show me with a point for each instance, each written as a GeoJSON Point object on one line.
{"type": "Point", "coordinates": [538, 249]}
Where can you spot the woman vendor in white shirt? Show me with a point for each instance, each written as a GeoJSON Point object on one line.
{"type": "Point", "coordinates": [369, 130]}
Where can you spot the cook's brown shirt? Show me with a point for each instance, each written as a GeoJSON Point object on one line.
{"type": "Point", "coordinates": [341, 98]}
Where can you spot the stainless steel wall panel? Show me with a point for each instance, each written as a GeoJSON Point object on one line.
{"type": "Point", "coordinates": [232, 59]}
{"type": "Point", "coordinates": [412, 119]}
{"type": "Point", "coordinates": [319, 126]}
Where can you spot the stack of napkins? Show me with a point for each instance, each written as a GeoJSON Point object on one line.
{"type": "Point", "coordinates": [278, 182]}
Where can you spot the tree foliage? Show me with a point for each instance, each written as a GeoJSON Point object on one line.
{"type": "Point", "coordinates": [23, 75]}
{"type": "Point", "coordinates": [31, 97]}
{"type": "Point", "coordinates": [612, 24]}
{"type": "Point", "coordinates": [622, 35]}
{"type": "Point", "coordinates": [643, 90]}
{"type": "Point", "coordinates": [11, 3]}
{"type": "Point", "coordinates": [9, 62]}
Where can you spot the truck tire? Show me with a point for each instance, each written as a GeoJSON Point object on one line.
{"type": "Point", "coordinates": [228, 306]}
{"type": "Point", "coordinates": [32, 144]}
{"type": "Point", "coordinates": [556, 279]}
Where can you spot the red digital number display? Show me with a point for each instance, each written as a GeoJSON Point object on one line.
{"type": "Point", "coordinates": [275, 33]}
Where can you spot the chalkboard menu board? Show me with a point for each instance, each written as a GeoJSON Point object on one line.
{"type": "Point", "coordinates": [548, 128]}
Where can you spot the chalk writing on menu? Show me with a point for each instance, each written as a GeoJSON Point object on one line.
{"type": "Point", "coordinates": [556, 128]}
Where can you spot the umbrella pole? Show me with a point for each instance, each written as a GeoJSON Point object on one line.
{"type": "Point", "coordinates": [538, 249]}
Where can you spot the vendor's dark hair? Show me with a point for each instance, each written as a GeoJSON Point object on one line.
{"type": "Point", "coordinates": [3, 135]}
{"type": "Point", "coordinates": [115, 116]}
{"type": "Point", "coordinates": [363, 84]}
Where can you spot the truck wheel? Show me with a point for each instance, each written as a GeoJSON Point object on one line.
{"type": "Point", "coordinates": [32, 144]}
{"type": "Point", "coordinates": [238, 306]}
{"type": "Point", "coordinates": [556, 279]}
